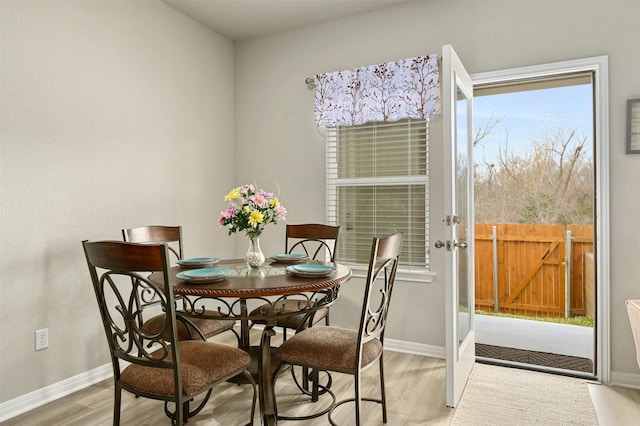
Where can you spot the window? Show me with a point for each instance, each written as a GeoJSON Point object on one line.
{"type": "Point", "coordinates": [377, 183]}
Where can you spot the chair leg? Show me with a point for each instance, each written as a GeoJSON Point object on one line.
{"type": "Point", "coordinates": [117, 398]}
{"type": "Point", "coordinates": [315, 382]}
{"type": "Point", "coordinates": [305, 378]}
{"type": "Point", "coordinates": [179, 415]}
{"type": "Point", "coordinates": [383, 397]}
{"type": "Point", "coordinates": [185, 411]}
{"type": "Point", "coordinates": [357, 396]}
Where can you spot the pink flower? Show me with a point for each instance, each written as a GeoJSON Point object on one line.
{"type": "Point", "coordinates": [229, 213]}
{"type": "Point", "coordinates": [259, 200]}
{"type": "Point", "coordinates": [265, 194]}
{"type": "Point", "coordinates": [282, 212]}
{"type": "Point", "coordinates": [245, 189]}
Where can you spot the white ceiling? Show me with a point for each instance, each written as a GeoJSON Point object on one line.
{"type": "Point", "coordinates": [244, 19]}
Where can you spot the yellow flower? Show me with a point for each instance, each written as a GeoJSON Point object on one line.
{"type": "Point", "coordinates": [255, 218]}
{"type": "Point", "coordinates": [274, 202]}
{"type": "Point", "coordinates": [232, 195]}
{"type": "Point", "coordinates": [246, 209]}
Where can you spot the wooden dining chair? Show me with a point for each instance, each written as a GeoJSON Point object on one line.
{"type": "Point", "coordinates": [317, 242]}
{"type": "Point", "coordinates": [341, 350]}
{"type": "Point", "coordinates": [191, 328]}
{"type": "Point", "coordinates": [160, 366]}
{"type": "Point", "coordinates": [172, 235]}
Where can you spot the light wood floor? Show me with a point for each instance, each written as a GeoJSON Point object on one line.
{"type": "Point", "coordinates": [415, 396]}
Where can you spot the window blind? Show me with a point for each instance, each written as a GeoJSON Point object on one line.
{"type": "Point", "coordinates": [377, 183]}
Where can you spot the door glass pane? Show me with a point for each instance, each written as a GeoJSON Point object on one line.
{"type": "Point", "coordinates": [462, 199]}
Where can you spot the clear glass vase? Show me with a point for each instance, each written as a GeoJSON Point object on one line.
{"type": "Point", "coordinates": [254, 256]}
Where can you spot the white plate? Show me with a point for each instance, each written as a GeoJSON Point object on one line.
{"type": "Point", "coordinates": [290, 258]}
{"type": "Point", "coordinates": [311, 270]}
{"type": "Point", "coordinates": [208, 275]}
{"type": "Point", "coordinates": [198, 262]}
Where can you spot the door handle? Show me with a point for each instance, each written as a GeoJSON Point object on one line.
{"type": "Point", "coordinates": [461, 244]}
{"type": "Point", "coordinates": [439, 244]}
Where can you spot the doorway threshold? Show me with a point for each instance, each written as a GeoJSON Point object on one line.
{"type": "Point", "coordinates": [540, 359]}
{"type": "Point", "coordinates": [538, 368]}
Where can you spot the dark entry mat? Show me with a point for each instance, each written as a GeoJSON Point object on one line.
{"type": "Point", "coordinates": [564, 362]}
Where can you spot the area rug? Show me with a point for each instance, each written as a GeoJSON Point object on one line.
{"type": "Point", "coordinates": [499, 396]}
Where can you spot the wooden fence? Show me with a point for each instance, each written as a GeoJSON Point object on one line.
{"type": "Point", "coordinates": [527, 265]}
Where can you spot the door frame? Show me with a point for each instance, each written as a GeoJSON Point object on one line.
{"type": "Point", "coordinates": [599, 66]}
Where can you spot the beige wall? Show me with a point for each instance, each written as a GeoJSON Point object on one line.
{"type": "Point", "coordinates": [488, 36]}
{"type": "Point", "coordinates": [117, 114]}
{"type": "Point", "coordinates": [114, 114]}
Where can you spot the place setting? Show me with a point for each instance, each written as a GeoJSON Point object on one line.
{"type": "Point", "coordinates": [310, 270]}
{"type": "Point", "coordinates": [203, 275]}
{"type": "Point", "coordinates": [290, 258]}
{"type": "Point", "coordinates": [198, 262]}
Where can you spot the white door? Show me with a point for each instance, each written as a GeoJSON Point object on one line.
{"type": "Point", "coordinates": [457, 102]}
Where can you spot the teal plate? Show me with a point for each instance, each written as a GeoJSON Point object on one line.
{"type": "Point", "coordinates": [290, 257]}
{"type": "Point", "coordinates": [198, 261]}
{"type": "Point", "coordinates": [314, 268]}
{"type": "Point", "coordinates": [206, 273]}
{"type": "Point", "coordinates": [311, 270]}
{"type": "Point", "coordinates": [209, 275]}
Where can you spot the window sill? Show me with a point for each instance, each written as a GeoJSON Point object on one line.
{"type": "Point", "coordinates": [417, 276]}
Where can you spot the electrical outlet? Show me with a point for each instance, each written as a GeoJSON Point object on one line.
{"type": "Point", "coordinates": [42, 339]}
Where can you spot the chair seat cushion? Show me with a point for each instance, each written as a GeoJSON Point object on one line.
{"type": "Point", "coordinates": [288, 306]}
{"type": "Point", "coordinates": [328, 348]}
{"type": "Point", "coordinates": [203, 365]}
{"type": "Point", "coordinates": [208, 327]}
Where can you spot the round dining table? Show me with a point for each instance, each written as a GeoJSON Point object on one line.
{"type": "Point", "coordinates": [241, 289]}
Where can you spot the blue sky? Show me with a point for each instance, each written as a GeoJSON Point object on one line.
{"type": "Point", "coordinates": [525, 114]}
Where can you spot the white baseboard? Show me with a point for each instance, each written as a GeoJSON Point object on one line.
{"type": "Point", "coordinates": [414, 348]}
{"type": "Point", "coordinates": [42, 396]}
{"type": "Point", "coordinates": [625, 380]}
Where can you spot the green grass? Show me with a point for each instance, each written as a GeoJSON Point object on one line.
{"type": "Point", "coordinates": [581, 321]}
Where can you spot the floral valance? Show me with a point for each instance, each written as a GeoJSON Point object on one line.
{"type": "Point", "coordinates": [392, 91]}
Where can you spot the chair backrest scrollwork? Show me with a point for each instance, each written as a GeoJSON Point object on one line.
{"type": "Point", "coordinates": [381, 274]}
{"type": "Point", "coordinates": [317, 241]}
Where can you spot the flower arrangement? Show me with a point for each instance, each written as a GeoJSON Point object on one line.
{"type": "Point", "coordinates": [250, 210]}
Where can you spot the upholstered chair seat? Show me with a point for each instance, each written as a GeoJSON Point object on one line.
{"type": "Point", "coordinates": [203, 364]}
{"type": "Point", "coordinates": [207, 327]}
{"type": "Point", "coordinates": [288, 306]}
{"type": "Point", "coordinates": [328, 348]}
